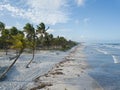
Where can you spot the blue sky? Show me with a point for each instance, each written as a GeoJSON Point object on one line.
{"type": "Point", "coordinates": [79, 20]}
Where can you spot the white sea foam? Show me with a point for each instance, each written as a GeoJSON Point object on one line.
{"type": "Point", "coordinates": [113, 46]}
{"type": "Point", "coordinates": [116, 59]}
{"type": "Point", "coordinates": [102, 51]}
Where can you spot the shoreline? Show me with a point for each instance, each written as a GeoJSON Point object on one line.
{"type": "Point", "coordinates": [69, 74]}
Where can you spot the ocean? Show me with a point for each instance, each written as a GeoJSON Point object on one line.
{"type": "Point", "coordinates": [104, 63]}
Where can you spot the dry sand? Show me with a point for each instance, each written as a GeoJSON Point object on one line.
{"type": "Point", "coordinates": [69, 74]}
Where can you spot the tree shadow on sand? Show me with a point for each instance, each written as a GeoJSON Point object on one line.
{"type": "Point", "coordinates": [9, 75]}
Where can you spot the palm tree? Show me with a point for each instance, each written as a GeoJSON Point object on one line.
{"type": "Point", "coordinates": [31, 37]}
{"type": "Point", "coordinates": [13, 31]}
{"type": "Point", "coordinates": [2, 26]}
{"type": "Point", "coordinates": [5, 36]}
{"type": "Point", "coordinates": [42, 30]}
{"type": "Point", "coordinates": [18, 43]}
{"type": "Point", "coordinates": [48, 40]}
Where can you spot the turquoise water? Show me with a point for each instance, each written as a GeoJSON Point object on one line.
{"type": "Point", "coordinates": [104, 61]}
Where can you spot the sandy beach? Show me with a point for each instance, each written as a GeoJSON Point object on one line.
{"type": "Point", "coordinates": [68, 74]}
{"type": "Point", "coordinates": [19, 75]}
{"type": "Point", "coordinates": [59, 44]}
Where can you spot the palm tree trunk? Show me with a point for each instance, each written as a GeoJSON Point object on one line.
{"type": "Point", "coordinates": [27, 66]}
{"type": "Point", "coordinates": [6, 71]}
{"type": "Point", "coordinates": [33, 51]}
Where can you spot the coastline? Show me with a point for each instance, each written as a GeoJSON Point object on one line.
{"type": "Point", "coordinates": [69, 74]}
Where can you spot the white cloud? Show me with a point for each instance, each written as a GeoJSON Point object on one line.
{"type": "Point", "coordinates": [50, 30]}
{"type": "Point", "coordinates": [46, 4]}
{"type": "Point", "coordinates": [18, 25]}
{"type": "Point", "coordinates": [48, 11]}
{"type": "Point", "coordinates": [51, 12]}
{"type": "Point", "coordinates": [80, 2]}
{"type": "Point", "coordinates": [8, 27]}
{"type": "Point", "coordinates": [13, 10]}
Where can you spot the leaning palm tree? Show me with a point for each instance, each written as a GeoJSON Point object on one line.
{"type": "Point", "coordinates": [31, 40]}
{"type": "Point", "coordinates": [18, 43]}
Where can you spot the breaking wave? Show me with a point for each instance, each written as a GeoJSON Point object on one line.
{"type": "Point", "coordinates": [116, 59]}
{"type": "Point", "coordinates": [102, 51]}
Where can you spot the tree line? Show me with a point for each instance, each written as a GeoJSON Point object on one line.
{"type": "Point", "coordinates": [31, 39]}
{"type": "Point", "coordinates": [38, 37]}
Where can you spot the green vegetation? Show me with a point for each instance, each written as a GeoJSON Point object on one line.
{"type": "Point", "coordinates": [17, 42]}
{"type": "Point", "coordinates": [36, 38]}
{"type": "Point", "coordinates": [30, 39]}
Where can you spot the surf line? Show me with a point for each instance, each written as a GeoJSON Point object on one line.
{"type": "Point", "coordinates": [115, 59]}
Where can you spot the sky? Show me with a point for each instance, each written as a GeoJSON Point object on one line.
{"type": "Point", "coordinates": [78, 20]}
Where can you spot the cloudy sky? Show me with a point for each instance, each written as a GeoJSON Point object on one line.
{"type": "Point", "coordinates": [74, 19]}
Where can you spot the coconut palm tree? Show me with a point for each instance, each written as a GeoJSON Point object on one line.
{"type": "Point", "coordinates": [2, 26]}
{"type": "Point", "coordinates": [5, 36]}
{"type": "Point", "coordinates": [42, 30]}
{"type": "Point", "coordinates": [31, 37]}
{"type": "Point", "coordinates": [14, 31]}
{"type": "Point", "coordinates": [48, 40]}
{"type": "Point", "coordinates": [18, 43]}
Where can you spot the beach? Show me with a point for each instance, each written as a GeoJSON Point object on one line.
{"type": "Point", "coordinates": [19, 75]}
{"type": "Point", "coordinates": [59, 45]}
{"type": "Point", "coordinates": [84, 67]}
{"type": "Point", "coordinates": [69, 74]}
{"type": "Point", "coordinates": [51, 69]}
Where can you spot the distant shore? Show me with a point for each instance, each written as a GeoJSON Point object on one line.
{"type": "Point", "coordinates": [69, 74]}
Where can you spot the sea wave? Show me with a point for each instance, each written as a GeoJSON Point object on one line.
{"type": "Point", "coordinates": [116, 59]}
{"type": "Point", "coordinates": [102, 51]}
{"type": "Point", "coordinates": [113, 46]}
